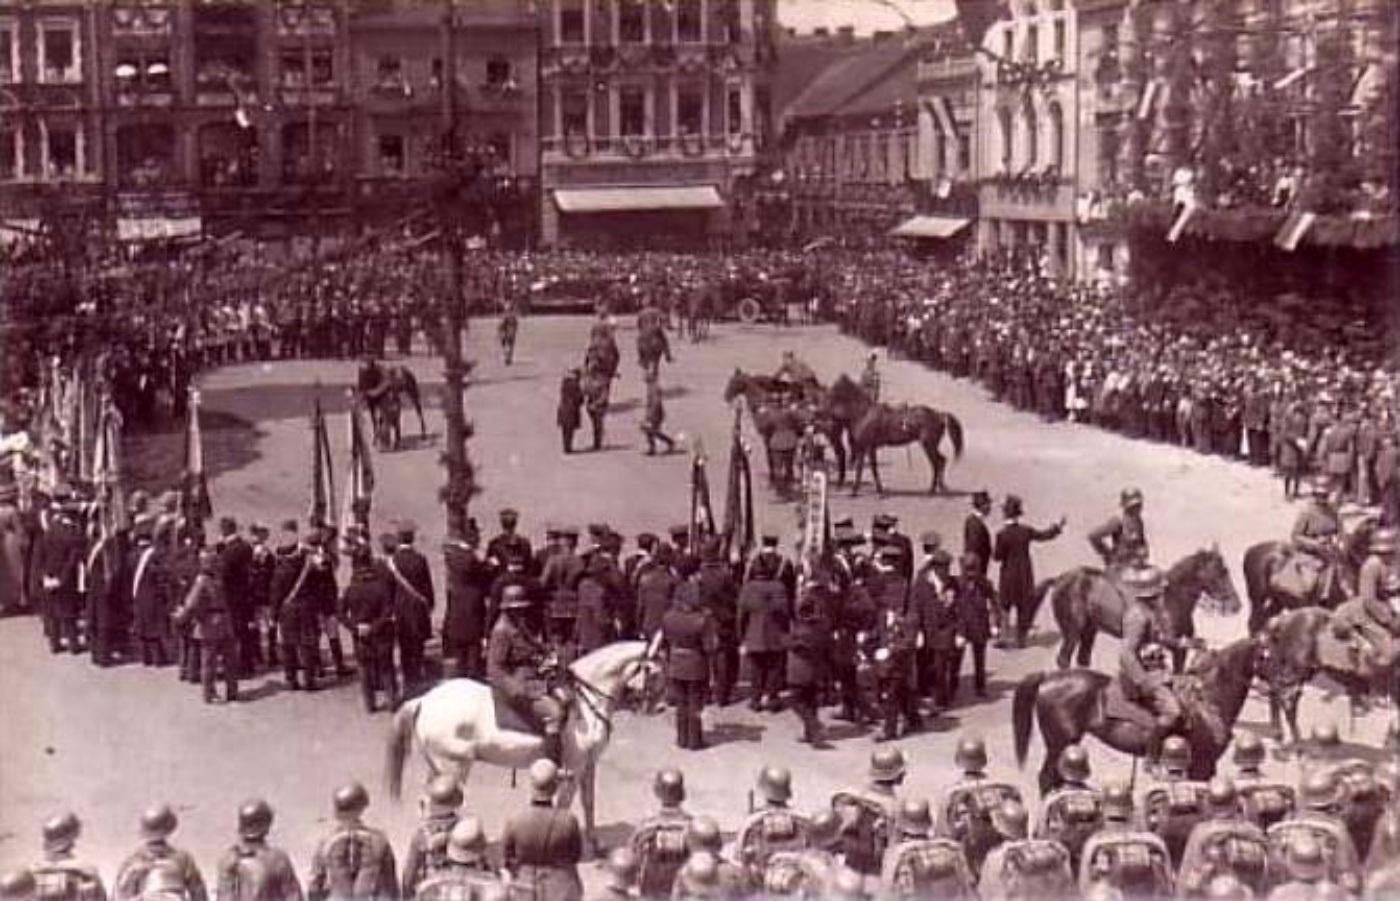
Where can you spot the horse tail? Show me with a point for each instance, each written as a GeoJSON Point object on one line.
{"type": "Point", "coordinates": [396, 750]}
{"type": "Point", "coordinates": [1023, 713]}
{"type": "Point", "coordinates": [1042, 591]}
{"type": "Point", "coordinates": [955, 432]}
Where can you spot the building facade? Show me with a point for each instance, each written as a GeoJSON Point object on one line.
{"type": "Point", "coordinates": [653, 117]}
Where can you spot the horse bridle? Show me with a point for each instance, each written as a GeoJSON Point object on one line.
{"type": "Point", "coordinates": [598, 700]}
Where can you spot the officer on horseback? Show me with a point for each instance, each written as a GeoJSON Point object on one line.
{"type": "Point", "coordinates": [1372, 616]}
{"type": "Point", "coordinates": [520, 668]}
{"type": "Point", "coordinates": [1142, 662]}
{"type": "Point", "coordinates": [1316, 533]}
{"type": "Point", "coordinates": [1122, 540]}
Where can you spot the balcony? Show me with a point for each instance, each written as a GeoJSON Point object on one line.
{"type": "Point", "coordinates": [306, 21]}
{"type": "Point", "coordinates": [142, 22]}
{"type": "Point", "coordinates": [657, 148]}
{"type": "Point", "coordinates": [945, 69]}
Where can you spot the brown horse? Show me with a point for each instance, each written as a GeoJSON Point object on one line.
{"type": "Point", "coordinates": [1069, 705]}
{"type": "Point", "coordinates": [1263, 560]}
{"type": "Point", "coordinates": [1293, 658]}
{"type": "Point", "coordinates": [775, 403]}
{"type": "Point", "coordinates": [1086, 602]}
{"type": "Point", "coordinates": [870, 426]}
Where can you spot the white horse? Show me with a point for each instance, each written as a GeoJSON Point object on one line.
{"type": "Point", "coordinates": [455, 724]}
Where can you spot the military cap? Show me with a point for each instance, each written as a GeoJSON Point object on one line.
{"type": "Point", "coordinates": [679, 532]}
{"type": "Point", "coordinates": [61, 832]}
{"type": "Point", "coordinates": [1383, 541]}
{"type": "Point", "coordinates": [883, 522]}
{"type": "Point", "coordinates": [1131, 497]}
{"type": "Point", "coordinates": [467, 841]}
{"type": "Point", "coordinates": [981, 500]}
{"type": "Point", "coordinates": [703, 835]}
{"type": "Point", "coordinates": [887, 764]}
{"type": "Point", "coordinates": [647, 541]}
{"type": "Point", "coordinates": [158, 822]}
{"type": "Point", "coordinates": [769, 539]}
{"type": "Point", "coordinates": [388, 541]}
{"type": "Point", "coordinates": [290, 526]}
{"type": "Point", "coordinates": [699, 876]}
{"type": "Point", "coordinates": [1305, 859]}
{"type": "Point", "coordinates": [930, 540]}
{"type": "Point", "coordinates": [1176, 754]}
{"type": "Point", "coordinates": [1221, 793]}
{"type": "Point", "coordinates": [17, 885]}
{"type": "Point", "coordinates": [254, 819]}
{"type": "Point", "coordinates": [824, 828]}
{"type": "Point", "coordinates": [568, 531]}
{"type": "Point", "coordinates": [258, 528]}
{"type": "Point", "coordinates": [509, 513]}
{"type": "Point", "coordinates": [914, 818]}
{"type": "Point", "coordinates": [1073, 765]}
{"type": "Point", "coordinates": [406, 529]}
{"type": "Point", "coordinates": [776, 783]}
{"type": "Point", "coordinates": [971, 755]}
{"type": "Point", "coordinates": [227, 525]}
{"type": "Point", "coordinates": [443, 793]}
{"type": "Point", "coordinates": [940, 559]}
{"type": "Point", "coordinates": [350, 800]}
{"type": "Point", "coordinates": [544, 779]}
{"type": "Point", "coordinates": [1117, 801]}
{"type": "Point", "coordinates": [669, 786]}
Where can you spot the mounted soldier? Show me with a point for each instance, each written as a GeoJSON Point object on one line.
{"type": "Point", "coordinates": [1176, 803]}
{"type": "Point", "coordinates": [1074, 810]}
{"type": "Point", "coordinates": [917, 865]}
{"type": "Point", "coordinates": [1133, 862]}
{"type": "Point", "coordinates": [1372, 618]}
{"type": "Point", "coordinates": [1315, 538]}
{"type": "Point", "coordinates": [1122, 540]}
{"type": "Point", "coordinates": [1225, 844]}
{"type": "Point", "coordinates": [521, 669]}
{"type": "Point", "coordinates": [1022, 868]}
{"type": "Point", "coordinates": [968, 806]}
{"type": "Point", "coordinates": [1142, 659]}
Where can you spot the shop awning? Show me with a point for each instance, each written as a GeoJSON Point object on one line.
{"type": "Point", "coordinates": [158, 229]}
{"type": "Point", "coordinates": [617, 200]}
{"type": "Point", "coordinates": [930, 227]}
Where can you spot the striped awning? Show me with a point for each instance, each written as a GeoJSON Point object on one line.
{"type": "Point", "coordinates": [158, 229]}
{"type": "Point", "coordinates": [635, 199]}
{"type": "Point", "coordinates": [930, 227]}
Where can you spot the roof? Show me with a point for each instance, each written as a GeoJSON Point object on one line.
{"type": "Point", "coordinates": [611, 200]}
{"type": "Point", "coordinates": [847, 77]}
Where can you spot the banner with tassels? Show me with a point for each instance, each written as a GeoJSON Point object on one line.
{"type": "Point", "coordinates": [359, 488]}
{"type": "Point", "coordinates": [322, 468]}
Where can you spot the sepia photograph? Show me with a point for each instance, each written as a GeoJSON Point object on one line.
{"type": "Point", "coordinates": [547, 450]}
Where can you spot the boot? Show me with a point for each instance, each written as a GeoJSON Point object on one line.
{"type": "Point", "coordinates": [338, 658]}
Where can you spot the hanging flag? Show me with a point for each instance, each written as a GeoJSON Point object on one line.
{"type": "Point", "coordinates": [1185, 213]}
{"type": "Point", "coordinates": [1148, 99]}
{"type": "Point", "coordinates": [1294, 228]}
{"type": "Point", "coordinates": [738, 501]}
{"type": "Point", "coordinates": [195, 498]}
{"type": "Point", "coordinates": [702, 518]}
{"type": "Point", "coordinates": [360, 488]}
{"type": "Point", "coordinates": [322, 469]}
{"type": "Point", "coordinates": [107, 470]}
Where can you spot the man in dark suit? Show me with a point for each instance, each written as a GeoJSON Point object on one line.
{"type": "Point", "coordinates": [235, 574]}
{"type": "Point", "coordinates": [763, 625]}
{"type": "Point", "coordinates": [414, 600]}
{"type": "Point", "coordinates": [931, 602]}
{"type": "Point", "coordinates": [464, 624]}
{"type": "Point", "coordinates": [884, 530]}
{"type": "Point", "coordinates": [976, 607]}
{"type": "Point", "coordinates": [977, 538]}
{"type": "Point", "coordinates": [509, 543]}
{"type": "Point", "coordinates": [1013, 552]}
{"type": "Point", "coordinates": [58, 559]}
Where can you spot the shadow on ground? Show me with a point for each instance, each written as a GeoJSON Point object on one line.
{"type": "Point", "coordinates": [155, 459]}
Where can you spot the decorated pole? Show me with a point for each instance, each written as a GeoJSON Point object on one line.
{"type": "Point", "coordinates": [322, 468]}
{"type": "Point", "coordinates": [359, 487]}
{"type": "Point", "coordinates": [195, 498]}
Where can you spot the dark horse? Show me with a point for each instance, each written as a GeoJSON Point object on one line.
{"type": "Point", "coordinates": [1293, 646]}
{"type": "Point", "coordinates": [381, 387]}
{"type": "Point", "coordinates": [1086, 602]}
{"type": "Point", "coordinates": [1070, 705]}
{"type": "Point", "coordinates": [1266, 558]}
{"type": "Point", "coordinates": [775, 403]}
{"type": "Point", "coordinates": [870, 426]}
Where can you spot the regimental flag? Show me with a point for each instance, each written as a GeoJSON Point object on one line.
{"type": "Point", "coordinates": [1187, 209]}
{"type": "Point", "coordinates": [1148, 101]}
{"type": "Point", "coordinates": [702, 517]}
{"type": "Point", "coordinates": [360, 488]}
{"type": "Point", "coordinates": [107, 476]}
{"type": "Point", "coordinates": [195, 498]}
{"type": "Point", "coordinates": [322, 468]}
{"type": "Point", "coordinates": [1294, 228]}
{"type": "Point", "coordinates": [738, 500]}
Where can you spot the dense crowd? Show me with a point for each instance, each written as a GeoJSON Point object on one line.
{"type": "Point", "coordinates": [1335, 833]}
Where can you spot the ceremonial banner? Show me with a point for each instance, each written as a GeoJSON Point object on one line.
{"type": "Point", "coordinates": [738, 501]}
{"type": "Point", "coordinates": [1293, 230]}
{"type": "Point", "coordinates": [360, 488]}
{"type": "Point", "coordinates": [107, 470]}
{"type": "Point", "coordinates": [322, 469]}
{"type": "Point", "coordinates": [195, 498]}
{"type": "Point", "coordinates": [702, 518]}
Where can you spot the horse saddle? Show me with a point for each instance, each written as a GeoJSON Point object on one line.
{"type": "Point", "coordinates": [513, 715]}
{"type": "Point", "coordinates": [1299, 577]}
{"type": "Point", "coordinates": [1118, 706]}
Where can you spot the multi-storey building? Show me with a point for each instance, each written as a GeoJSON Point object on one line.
{"type": "Point", "coordinates": [947, 84]}
{"type": "Point", "coordinates": [653, 115]}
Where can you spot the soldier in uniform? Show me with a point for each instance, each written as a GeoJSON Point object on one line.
{"type": "Point", "coordinates": [933, 603]}
{"type": "Point", "coordinates": [1145, 625]}
{"type": "Point", "coordinates": [62, 876]}
{"type": "Point", "coordinates": [809, 649]}
{"type": "Point", "coordinates": [544, 844]}
{"type": "Point", "coordinates": [18, 885]}
{"type": "Point", "coordinates": [621, 868]}
{"type": "Point", "coordinates": [440, 805]}
{"type": "Point", "coordinates": [569, 415]}
{"type": "Point", "coordinates": [157, 854]}
{"type": "Point", "coordinates": [692, 638]}
{"type": "Point", "coordinates": [1314, 538]}
{"type": "Point", "coordinates": [896, 643]}
{"type": "Point", "coordinates": [1175, 803]}
{"type": "Point", "coordinates": [1134, 862]}
{"type": "Point", "coordinates": [717, 595]}
{"type": "Point", "coordinates": [367, 609]}
{"type": "Point", "coordinates": [730, 879]}
{"type": "Point", "coordinates": [261, 565]}
{"type": "Point", "coordinates": [1122, 541]}
{"type": "Point", "coordinates": [1307, 878]}
{"type": "Point", "coordinates": [917, 865]}
{"type": "Point", "coordinates": [1023, 868]}
{"type": "Point", "coordinates": [355, 861]}
{"type": "Point", "coordinates": [206, 609]}
{"type": "Point", "coordinates": [659, 842]}
{"type": "Point", "coordinates": [1265, 801]}
{"type": "Point", "coordinates": [325, 596]}
{"type": "Point", "coordinates": [968, 805]}
{"type": "Point", "coordinates": [1224, 844]}
{"type": "Point", "coordinates": [514, 666]}
{"type": "Point", "coordinates": [150, 599]}
{"type": "Point", "coordinates": [764, 627]}
{"type": "Point", "coordinates": [807, 873]}
{"type": "Point", "coordinates": [870, 378]}
{"type": "Point", "coordinates": [253, 870]}
{"type": "Point", "coordinates": [1370, 615]}
{"type": "Point", "coordinates": [1317, 819]}
{"type": "Point", "coordinates": [509, 543]}
{"type": "Point", "coordinates": [58, 559]}
{"type": "Point", "coordinates": [773, 827]}
{"type": "Point", "coordinates": [294, 609]}
{"type": "Point", "coordinates": [414, 600]}
{"type": "Point", "coordinates": [464, 624]}
{"type": "Point", "coordinates": [466, 874]}
{"type": "Point", "coordinates": [868, 814]}
{"type": "Point", "coordinates": [1073, 811]}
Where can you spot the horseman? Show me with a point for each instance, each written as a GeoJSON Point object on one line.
{"type": "Point", "coordinates": [1122, 540]}
{"type": "Point", "coordinates": [1147, 635]}
{"type": "Point", "coordinates": [519, 667]}
{"type": "Point", "coordinates": [794, 374]}
{"type": "Point", "coordinates": [870, 377]}
{"type": "Point", "coordinates": [1372, 616]}
{"type": "Point", "coordinates": [1315, 537]}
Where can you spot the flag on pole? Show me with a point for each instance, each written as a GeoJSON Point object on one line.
{"type": "Point", "coordinates": [702, 518]}
{"type": "Point", "coordinates": [1294, 228]}
{"type": "Point", "coordinates": [360, 487]}
{"type": "Point", "coordinates": [1148, 100]}
{"type": "Point", "coordinates": [107, 470]}
{"type": "Point", "coordinates": [738, 502]}
{"type": "Point", "coordinates": [196, 501]}
{"type": "Point", "coordinates": [1183, 217]}
{"type": "Point", "coordinates": [322, 468]}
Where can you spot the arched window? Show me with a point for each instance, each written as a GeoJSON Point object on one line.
{"type": "Point", "coordinates": [1008, 144]}
{"type": "Point", "coordinates": [1032, 135]}
{"type": "Point", "coordinates": [1057, 137]}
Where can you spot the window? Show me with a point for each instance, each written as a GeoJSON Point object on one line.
{"type": "Point", "coordinates": [149, 71]}
{"type": "Point", "coordinates": [1008, 43]}
{"type": "Point", "coordinates": [631, 21]}
{"type": "Point", "coordinates": [498, 72]}
{"type": "Point", "coordinates": [58, 53]}
{"type": "Point", "coordinates": [294, 67]}
{"type": "Point", "coordinates": [323, 67]}
{"type": "Point", "coordinates": [964, 152]}
{"type": "Point", "coordinates": [61, 151]}
{"type": "Point", "coordinates": [734, 111]}
{"type": "Point", "coordinates": [145, 154]}
{"type": "Point", "coordinates": [690, 111]}
{"type": "Point", "coordinates": [1060, 39]}
{"type": "Point", "coordinates": [9, 57]}
{"type": "Point", "coordinates": [1108, 155]}
{"type": "Point", "coordinates": [571, 21]}
{"type": "Point", "coordinates": [392, 155]}
{"type": "Point", "coordinates": [1057, 137]}
{"type": "Point", "coordinates": [632, 112]}
{"type": "Point", "coordinates": [689, 16]}
{"type": "Point", "coordinates": [388, 71]}
{"type": "Point", "coordinates": [1032, 134]}
{"type": "Point", "coordinates": [1032, 54]}
{"type": "Point", "coordinates": [573, 111]}
{"type": "Point", "coordinates": [10, 155]}
{"type": "Point", "coordinates": [1007, 138]}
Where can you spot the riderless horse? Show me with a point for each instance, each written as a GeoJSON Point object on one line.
{"type": "Point", "coordinates": [871, 426]}
{"type": "Point", "coordinates": [382, 387]}
{"type": "Point", "coordinates": [456, 725]}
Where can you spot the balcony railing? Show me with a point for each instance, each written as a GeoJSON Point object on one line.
{"type": "Point", "coordinates": [141, 21]}
{"type": "Point", "coordinates": [658, 147]}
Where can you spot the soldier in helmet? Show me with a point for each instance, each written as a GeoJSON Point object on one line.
{"type": "Point", "coordinates": [1224, 843]}
{"type": "Point", "coordinates": [543, 844]}
{"type": "Point", "coordinates": [1175, 803]}
{"type": "Point", "coordinates": [808, 873]}
{"type": "Point", "coordinates": [253, 870]}
{"type": "Point", "coordinates": [62, 875]}
{"type": "Point", "coordinates": [465, 874]}
{"type": "Point", "coordinates": [1308, 879]}
{"type": "Point", "coordinates": [354, 861]}
{"type": "Point", "coordinates": [1123, 858]}
{"type": "Point", "coordinates": [1073, 811]}
{"type": "Point", "coordinates": [18, 885]}
{"type": "Point", "coordinates": [1314, 538]}
{"type": "Point", "coordinates": [868, 814]}
{"type": "Point", "coordinates": [1021, 867]}
{"type": "Point", "coordinates": [698, 878]}
{"type": "Point", "coordinates": [621, 870]}
{"type": "Point", "coordinates": [1385, 843]}
{"type": "Point", "coordinates": [1122, 540]}
{"type": "Point", "coordinates": [1369, 616]}
{"type": "Point", "coordinates": [918, 865]}
{"type": "Point", "coordinates": [156, 853]}
{"type": "Point", "coordinates": [773, 827]}
{"type": "Point", "coordinates": [966, 812]}
{"type": "Point", "coordinates": [516, 666]}
{"type": "Point", "coordinates": [659, 840]}
{"type": "Point", "coordinates": [1362, 803]}
{"type": "Point", "coordinates": [1316, 818]}
{"type": "Point", "coordinates": [1265, 800]}
{"type": "Point", "coordinates": [704, 837]}
{"type": "Point", "coordinates": [1142, 674]}
{"type": "Point", "coordinates": [441, 805]}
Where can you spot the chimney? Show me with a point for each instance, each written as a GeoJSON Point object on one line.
{"type": "Point", "coordinates": [879, 36]}
{"type": "Point", "coordinates": [846, 34]}
{"type": "Point", "coordinates": [821, 31]}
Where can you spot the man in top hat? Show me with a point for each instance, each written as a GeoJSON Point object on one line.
{"type": "Point", "coordinates": [977, 537]}
{"type": "Point", "coordinates": [1012, 550]}
{"type": "Point", "coordinates": [414, 600]}
{"type": "Point", "coordinates": [543, 845]}
{"type": "Point", "coordinates": [508, 543]}
{"type": "Point", "coordinates": [62, 874]}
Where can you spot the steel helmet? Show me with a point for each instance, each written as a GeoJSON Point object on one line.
{"type": "Point", "coordinates": [1221, 794]}
{"type": "Point", "coordinates": [776, 783]}
{"type": "Point", "coordinates": [1131, 497]}
{"type": "Point", "coordinates": [1176, 754]}
{"type": "Point", "coordinates": [887, 765]}
{"type": "Point", "coordinates": [703, 835]}
{"type": "Point", "coordinates": [443, 794]}
{"type": "Point", "coordinates": [1073, 765]}
{"type": "Point", "coordinates": [825, 828]}
{"type": "Point", "coordinates": [1305, 858]}
{"type": "Point", "coordinates": [971, 755]}
{"type": "Point", "coordinates": [622, 867]}
{"type": "Point", "coordinates": [544, 778]}
{"type": "Point", "coordinates": [1385, 541]}
{"type": "Point", "coordinates": [850, 886]}
{"type": "Point", "coordinates": [350, 799]}
{"type": "Point", "coordinates": [1320, 790]}
{"type": "Point", "coordinates": [514, 598]}
{"type": "Point", "coordinates": [467, 840]}
{"type": "Point", "coordinates": [18, 884]}
{"type": "Point", "coordinates": [61, 832]}
{"type": "Point", "coordinates": [1319, 486]}
{"type": "Point", "coordinates": [669, 786]}
{"type": "Point", "coordinates": [914, 818]}
{"type": "Point", "coordinates": [1249, 750]}
{"type": "Point", "coordinates": [158, 822]}
{"type": "Point", "coordinates": [1117, 801]}
{"type": "Point", "coordinates": [254, 819]}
